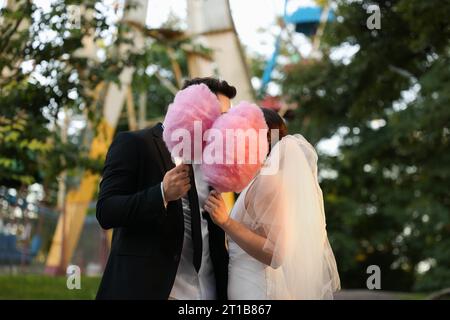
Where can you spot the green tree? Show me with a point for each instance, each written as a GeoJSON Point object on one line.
{"type": "Point", "coordinates": [44, 75]}
{"type": "Point", "coordinates": [386, 191]}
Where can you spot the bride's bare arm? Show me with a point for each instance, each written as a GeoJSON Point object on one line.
{"type": "Point", "coordinates": [248, 240]}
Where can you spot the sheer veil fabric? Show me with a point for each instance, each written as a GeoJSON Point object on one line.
{"type": "Point", "coordinates": [287, 207]}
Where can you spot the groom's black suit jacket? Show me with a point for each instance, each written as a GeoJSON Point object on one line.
{"type": "Point", "coordinates": [147, 238]}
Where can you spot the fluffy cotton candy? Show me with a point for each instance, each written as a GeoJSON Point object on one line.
{"type": "Point", "coordinates": [229, 175]}
{"type": "Point", "coordinates": [195, 103]}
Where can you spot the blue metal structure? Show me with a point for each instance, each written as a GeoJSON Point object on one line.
{"type": "Point", "coordinates": [10, 254]}
{"type": "Point", "coordinates": [306, 20]}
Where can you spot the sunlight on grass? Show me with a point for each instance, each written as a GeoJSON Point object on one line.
{"type": "Point", "coordinates": [45, 288]}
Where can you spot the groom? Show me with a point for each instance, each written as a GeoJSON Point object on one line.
{"type": "Point", "coordinates": [163, 246]}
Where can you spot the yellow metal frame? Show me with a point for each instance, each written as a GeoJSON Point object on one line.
{"type": "Point", "coordinates": [223, 40]}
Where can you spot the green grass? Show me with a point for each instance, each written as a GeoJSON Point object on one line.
{"type": "Point", "coordinates": [413, 296]}
{"type": "Point", "coordinates": [45, 288]}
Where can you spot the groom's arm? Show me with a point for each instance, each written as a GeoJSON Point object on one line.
{"type": "Point", "coordinates": [116, 206]}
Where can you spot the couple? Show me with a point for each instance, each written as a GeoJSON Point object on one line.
{"type": "Point", "coordinates": [173, 237]}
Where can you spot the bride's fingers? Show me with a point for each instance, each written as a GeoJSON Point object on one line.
{"type": "Point", "coordinates": [213, 197]}
{"type": "Point", "coordinates": [210, 205]}
{"type": "Point", "coordinates": [215, 201]}
{"type": "Point", "coordinates": [215, 193]}
{"type": "Point", "coordinates": [218, 196]}
{"type": "Point", "coordinates": [208, 208]}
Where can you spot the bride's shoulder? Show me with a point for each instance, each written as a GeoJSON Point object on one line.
{"type": "Point", "coordinates": [264, 185]}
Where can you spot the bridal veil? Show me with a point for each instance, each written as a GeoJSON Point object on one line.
{"type": "Point", "coordinates": [286, 206]}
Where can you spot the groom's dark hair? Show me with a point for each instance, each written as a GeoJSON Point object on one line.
{"type": "Point", "coordinates": [215, 85]}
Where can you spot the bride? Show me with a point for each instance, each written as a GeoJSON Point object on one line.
{"type": "Point", "coordinates": [277, 239]}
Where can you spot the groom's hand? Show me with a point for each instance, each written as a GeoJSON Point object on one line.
{"type": "Point", "coordinates": [176, 182]}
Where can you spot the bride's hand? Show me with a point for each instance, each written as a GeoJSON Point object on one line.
{"type": "Point", "coordinates": [215, 206]}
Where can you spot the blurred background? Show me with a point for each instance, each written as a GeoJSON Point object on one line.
{"type": "Point", "coordinates": [372, 97]}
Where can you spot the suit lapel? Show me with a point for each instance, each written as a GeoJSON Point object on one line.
{"type": "Point", "coordinates": [165, 163]}
{"type": "Point", "coordinates": [165, 160]}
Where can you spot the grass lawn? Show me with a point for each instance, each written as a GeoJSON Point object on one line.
{"type": "Point", "coordinates": [413, 296]}
{"type": "Point", "coordinates": [42, 287]}
{"type": "Point", "coordinates": [45, 287]}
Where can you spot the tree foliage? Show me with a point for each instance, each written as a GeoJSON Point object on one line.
{"type": "Point", "coordinates": [386, 191]}
{"type": "Point", "coordinates": [46, 74]}
{"type": "Point", "coordinates": [43, 71]}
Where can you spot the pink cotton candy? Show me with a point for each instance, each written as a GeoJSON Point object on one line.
{"type": "Point", "coordinates": [235, 176]}
{"type": "Point", "coordinates": [195, 103]}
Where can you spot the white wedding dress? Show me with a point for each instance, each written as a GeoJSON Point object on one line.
{"type": "Point", "coordinates": [246, 275]}
{"type": "Point", "coordinates": [286, 207]}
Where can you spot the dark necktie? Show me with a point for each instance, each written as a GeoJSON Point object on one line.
{"type": "Point", "coordinates": [196, 231]}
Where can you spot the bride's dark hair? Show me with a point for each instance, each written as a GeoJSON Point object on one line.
{"type": "Point", "coordinates": [274, 121]}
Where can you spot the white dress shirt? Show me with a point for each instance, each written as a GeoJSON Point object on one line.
{"type": "Point", "coordinates": [190, 285]}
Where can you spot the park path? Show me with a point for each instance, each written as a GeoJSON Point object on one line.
{"type": "Point", "coordinates": [366, 295]}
